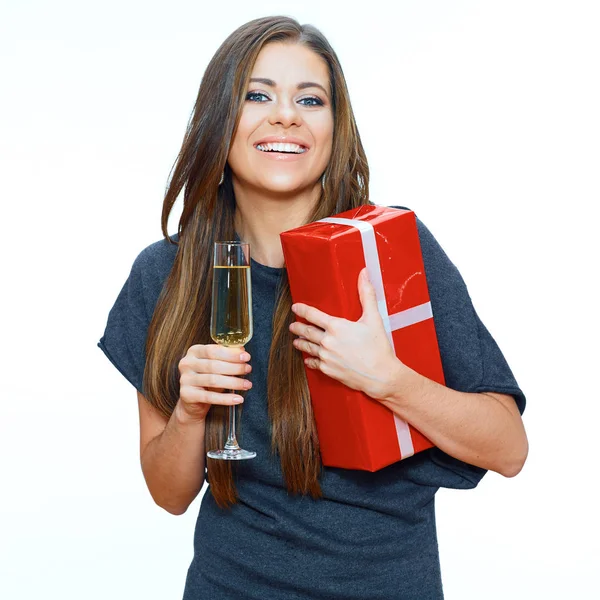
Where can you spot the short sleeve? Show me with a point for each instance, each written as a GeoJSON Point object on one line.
{"type": "Point", "coordinates": [471, 359]}
{"type": "Point", "coordinates": [124, 339]}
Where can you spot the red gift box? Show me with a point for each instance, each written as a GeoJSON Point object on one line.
{"type": "Point", "coordinates": [323, 261]}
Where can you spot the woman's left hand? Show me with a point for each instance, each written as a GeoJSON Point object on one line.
{"type": "Point", "coordinates": [357, 353]}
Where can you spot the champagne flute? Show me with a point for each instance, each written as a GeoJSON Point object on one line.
{"type": "Point", "coordinates": [231, 320]}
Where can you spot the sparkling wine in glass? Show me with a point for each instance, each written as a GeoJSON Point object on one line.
{"type": "Point", "coordinates": [231, 320]}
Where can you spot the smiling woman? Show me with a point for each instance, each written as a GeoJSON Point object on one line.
{"type": "Point", "coordinates": [279, 148]}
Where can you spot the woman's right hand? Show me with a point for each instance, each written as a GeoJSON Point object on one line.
{"type": "Point", "coordinates": [205, 372]}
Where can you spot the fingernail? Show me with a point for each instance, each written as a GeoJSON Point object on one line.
{"type": "Point", "coordinates": [248, 368]}
{"type": "Point", "coordinates": [247, 384]}
{"type": "Point", "coordinates": [244, 356]}
{"type": "Point", "coordinates": [238, 400]}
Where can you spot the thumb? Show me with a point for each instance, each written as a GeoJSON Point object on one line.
{"type": "Point", "coordinates": [367, 295]}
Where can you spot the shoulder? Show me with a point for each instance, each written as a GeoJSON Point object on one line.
{"type": "Point", "coordinates": [436, 261]}
{"type": "Point", "coordinates": [156, 259]}
{"type": "Point", "coordinates": [160, 251]}
{"type": "Point", "coordinates": [424, 233]}
{"type": "Point", "coordinates": [151, 269]}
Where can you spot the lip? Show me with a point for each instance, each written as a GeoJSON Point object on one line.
{"type": "Point", "coordinates": [283, 139]}
{"type": "Point", "coordinates": [281, 156]}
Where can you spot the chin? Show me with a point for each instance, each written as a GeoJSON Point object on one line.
{"type": "Point", "coordinates": [286, 185]}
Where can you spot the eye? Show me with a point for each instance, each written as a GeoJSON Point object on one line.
{"type": "Point", "coordinates": [252, 96]}
{"type": "Point", "coordinates": [313, 101]}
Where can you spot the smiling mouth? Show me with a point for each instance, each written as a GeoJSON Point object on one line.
{"type": "Point", "coordinates": [281, 148]}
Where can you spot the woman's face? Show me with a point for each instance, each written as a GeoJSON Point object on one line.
{"type": "Point", "coordinates": [284, 138]}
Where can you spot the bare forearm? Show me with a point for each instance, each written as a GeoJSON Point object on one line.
{"type": "Point", "coordinates": [173, 463]}
{"type": "Point", "coordinates": [479, 429]}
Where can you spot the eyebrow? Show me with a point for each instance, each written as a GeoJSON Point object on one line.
{"type": "Point", "coordinates": [301, 86]}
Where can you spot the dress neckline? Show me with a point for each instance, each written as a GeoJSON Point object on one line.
{"type": "Point", "coordinates": [260, 266]}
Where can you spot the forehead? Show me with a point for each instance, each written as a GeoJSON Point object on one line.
{"type": "Point", "coordinates": [290, 63]}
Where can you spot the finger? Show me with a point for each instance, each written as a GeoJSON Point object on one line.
{"type": "Point", "coordinates": [218, 352]}
{"type": "Point", "coordinates": [314, 334]}
{"type": "Point", "coordinates": [321, 365]}
{"type": "Point", "coordinates": [227, 353]}
{"type": "Point", "coordinates": [312, 363]}
{"type": "Point", "coordinates": [314, 315]}
{"type": "Point", "coordinates": [214, 380]}
{"type": "Point", "coordinates": [221, 367]}
{"type": "Point", "coordinates": [368, 296]}
{"type": "Point", "coordinates": [308, 347]}
{"type": "Point", "coordinates": [197, 395]}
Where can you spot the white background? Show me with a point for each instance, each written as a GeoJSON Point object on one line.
{"type": "Point", "coordinates": [481, 116]}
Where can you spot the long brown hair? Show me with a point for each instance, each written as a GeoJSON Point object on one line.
{"type": "Point", "coordinates": [182, 315]}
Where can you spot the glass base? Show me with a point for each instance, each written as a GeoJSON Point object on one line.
{"type": "Point", "coordinates": [231, 454]}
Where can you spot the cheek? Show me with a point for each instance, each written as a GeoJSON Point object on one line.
{"type": "Point", "coordinates": [324, 133]}
{"type": "Point", "coordinates": [236, 145]}
{"type": "Point", "coordinates": [239, 145]}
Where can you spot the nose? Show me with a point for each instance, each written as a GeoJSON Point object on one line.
{"type": "Point", "coordinates": [285, 112]}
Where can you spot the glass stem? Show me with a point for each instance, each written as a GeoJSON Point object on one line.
{"type": "Point", "coordinates": [232, 443]}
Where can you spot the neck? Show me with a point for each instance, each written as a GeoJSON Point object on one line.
{"type": "Point", "coordinates": [260, 218]}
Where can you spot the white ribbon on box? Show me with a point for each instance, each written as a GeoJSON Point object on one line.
{"type": "Point", "coordinates": [398, 320]}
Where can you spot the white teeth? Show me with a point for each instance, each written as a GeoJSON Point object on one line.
{"type": "Point", "coordinates": [278, 147]}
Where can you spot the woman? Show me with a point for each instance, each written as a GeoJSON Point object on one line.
{"type": "Point", "coordinates": [281, 525]}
